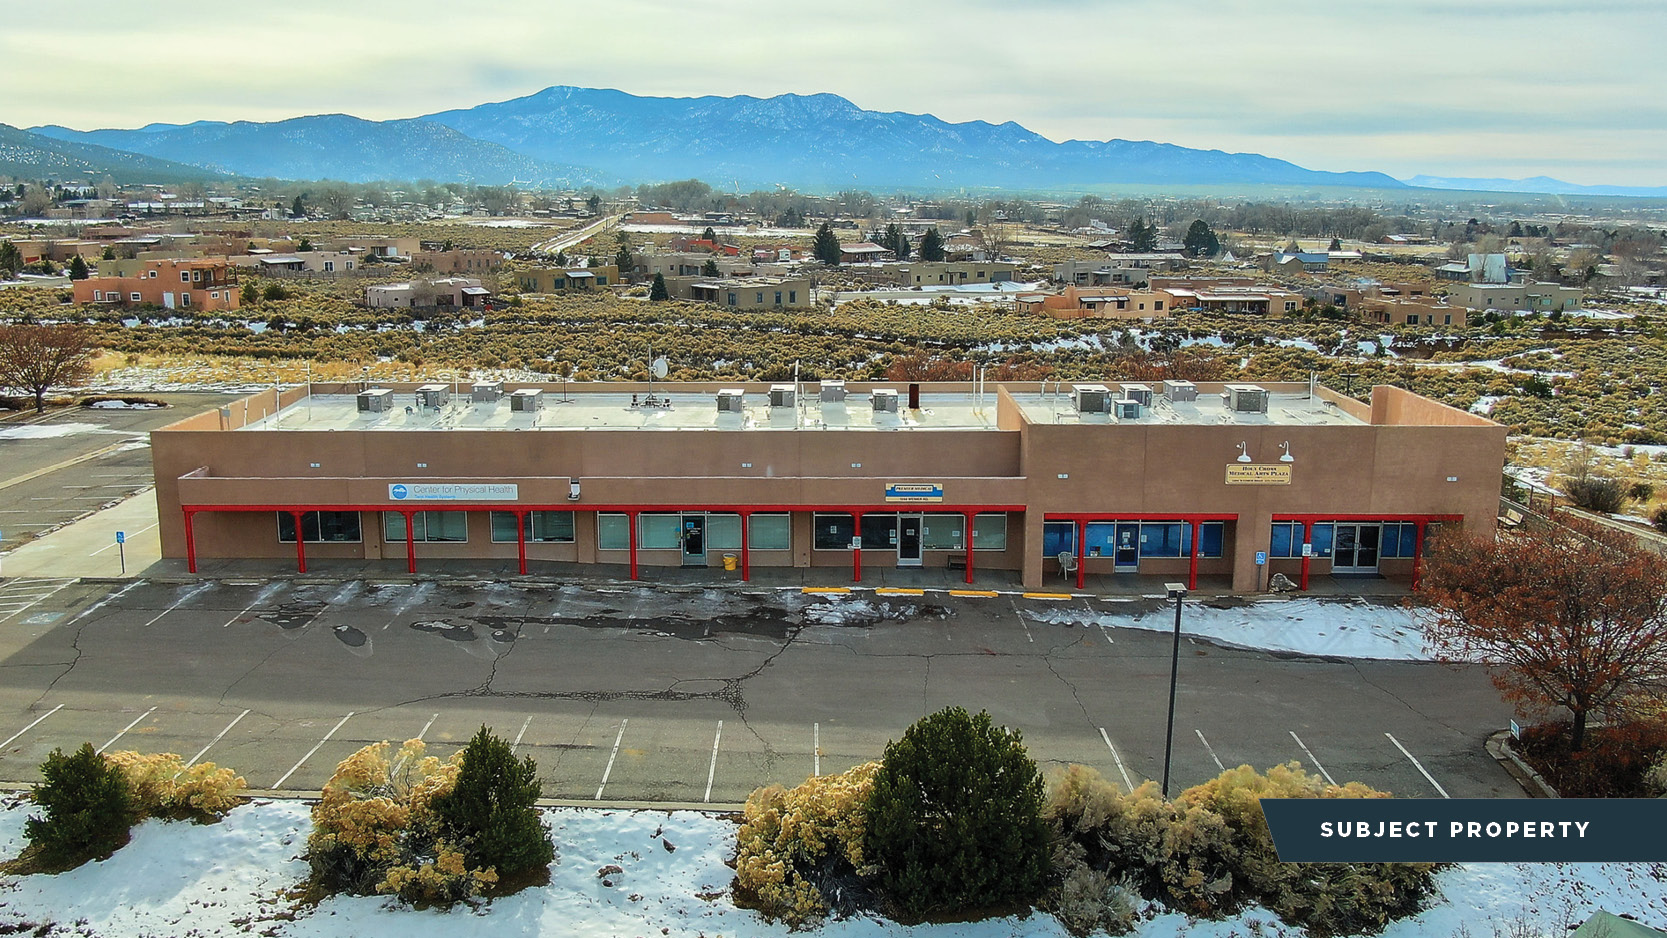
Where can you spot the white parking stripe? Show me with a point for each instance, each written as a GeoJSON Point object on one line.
{"type": "Point", "coordinates": [611, 757]}
{"type": "Point", "coordinates": [517, 744]}
{"type": "Point", "coordinates": [193, 593]}
{"type": "Point", "coordinates": [1128, 785]}
{"type": "Point", "coordinates": [1310, 755]}
{"type": "Point", "coordinates": [712, 770]}
{"type": "Point", "coordinates": [129, 726]}
{"type": "Point", "coordinates": [1419, 766]}
{"type": "Point", "coordinates": [217, 737]}
{"type": "Point", "coordinates": [427, 725]}
{"type": "Point", "coordinates": [1210, 749]}
{"type": "Point", "coordinates": [14, 736]}
{"type": "Point", "coordinates": [816, 748]}
{"type": "Point", "coordinates": [36, 600]}
{"type": "Point", "coordinates": [292, 769]}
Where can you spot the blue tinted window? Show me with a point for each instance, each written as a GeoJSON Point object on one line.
{"type": "Point", "coordinates": [1409, 540]}
{"type": "Point", "coordinates": [1209, 539]}
{"type": "Point", "coordinates": [1163, 539]}
{"type": "Point", "coordinates": [1321, 539]}
{"type": "Point", "coordinates": [1280, 543]}
{"type": "Point", "coordinates": [1058, 538]}
{"type": "Point", "coordinates": [1100, 538]}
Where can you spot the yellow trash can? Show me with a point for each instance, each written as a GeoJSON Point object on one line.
{"type": "Point", "coordinates": [731, 562]}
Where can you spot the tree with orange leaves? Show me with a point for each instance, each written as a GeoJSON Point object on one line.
{"type": "Point", "coordinates": [1573, 616]}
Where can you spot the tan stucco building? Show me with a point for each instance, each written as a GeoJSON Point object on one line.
{"type": "Point", "coordinates": [1228, 482]}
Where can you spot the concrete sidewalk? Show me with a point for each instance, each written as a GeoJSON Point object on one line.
{"type": "Point", "coordinates": [87, 548]}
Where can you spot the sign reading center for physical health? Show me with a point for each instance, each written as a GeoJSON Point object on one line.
{"type": "Point", "coordinates": [453, 491]}
{"type": "Point", "coordinates": [1252, 474]}
{"type": "Point", "coordinates": [914, 492]}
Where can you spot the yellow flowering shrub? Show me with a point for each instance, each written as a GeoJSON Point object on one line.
{"type": "Point", "coordinates": [787, 837]}
{"type": "Point", "coordinates": [162, 786]}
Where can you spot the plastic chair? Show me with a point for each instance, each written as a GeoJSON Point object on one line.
{"type": "Point", "coordinates": [1067, 563]}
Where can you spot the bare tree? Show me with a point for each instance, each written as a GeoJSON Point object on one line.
{"type": "Point", "coordinates": [36, 200]}
{"type": "Point", "coordinates": [34, 359]}
{"type": "Point", "coordinates": [338, 201]}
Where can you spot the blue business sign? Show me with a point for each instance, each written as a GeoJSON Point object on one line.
{"type": "Point", "coordinates": [914, 492]}
{"type": "Point", "coordinates": [398, 491]}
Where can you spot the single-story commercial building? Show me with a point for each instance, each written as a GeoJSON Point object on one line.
{"type": "Point", "coordinates": [1229, 482]}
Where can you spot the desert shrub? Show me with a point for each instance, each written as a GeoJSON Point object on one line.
{"type": "Point", "coordinates": [490, 810]}
{"type": "Point", "coordinates": [160, 785]}
{"type": "Point", "coordinates": [954, 819]}
{"type": "Point", "coordinates": [1615, 761]}
{"type": "Point", "coordinates": [1640, 491]}
{"type": "Point", "coordinates": [1658, 519]}
{"type": "Point", "coordinates": [1087, 900]}
{"type": "Point", "coordinates": [375, 830]}
{"type": "Point", "coordinates": [87, 810]}
{"type": "Point", "coordinates": [1596, 493]}
{"type": "Point", "coordinates": [799, 853]}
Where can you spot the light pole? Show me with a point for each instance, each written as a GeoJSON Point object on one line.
{"type": "Point", "coordinates": [1177, 592]}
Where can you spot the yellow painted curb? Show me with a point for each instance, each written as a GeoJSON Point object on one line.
{"type": "Point", "coordinates": [973, 593]}
{"type": "Point", "coordinates": [899, 591]}
{"type": "Point", "coordinates": [825, 589]}
{"type": "Point", "coordinates": [1047, 595]}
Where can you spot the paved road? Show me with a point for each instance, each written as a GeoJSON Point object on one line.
{"type": "Point", "coordinates": [689, 695]}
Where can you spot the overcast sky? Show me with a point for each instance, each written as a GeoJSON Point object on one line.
{"type": "Point", "coordinates": [1574, 89]}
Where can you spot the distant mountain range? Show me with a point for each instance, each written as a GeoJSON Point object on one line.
{"type": "Point", "coordinates": [25, 155]}
{"type": "Point", "coordinates": [564, 136]}
{"type": "Point", "coordinates": [1534, 184]}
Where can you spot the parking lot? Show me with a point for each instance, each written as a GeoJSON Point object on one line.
{"type": "Point", "coordinates": [627, 694]}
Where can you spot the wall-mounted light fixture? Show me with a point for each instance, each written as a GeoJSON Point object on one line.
{"type": "Point", "coordinates": [1286, 446]}
{"type": "Point", "coordinates": [573, 490]}
{"type": "Point", "coordinates": [1244, 451]}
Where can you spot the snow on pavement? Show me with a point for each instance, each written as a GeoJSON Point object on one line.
{"type": "Point", "coordinates": [232, 878]}
{"type": "Point", "coordinates": [1345, 628]}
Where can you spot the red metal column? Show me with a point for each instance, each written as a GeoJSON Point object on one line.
{"type": "Point", "coordinates": [631, 522]}
{"type": "Point", "coordinates": [1192, 568]}
{"type": "Point", "coordinates": [1307, 541]}
{"type": "Point", "coordinates": [300, 543]}
{"type": "Point", "coordinates": [410, 543]}
{"type": "Point", "coordinates": [521, 520]}
{"type": "Point", "coordinates": [1082, 551]}
{"type": "Point", "coordinates": [856, 547]}
{"type": "Point", "coordinates": [969, 516]}
{"type": "Point", "coordinates": [190, 542]}
{"type": "Point", "coordinates": [746, 542]}
{"type": "Point", "coordinates": [1418, 554]}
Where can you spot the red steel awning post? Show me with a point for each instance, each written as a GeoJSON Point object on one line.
{"type": "Point", "coordinates": [746, 522]}
{"type": "Point", "coordinates": [969, 516]}
{"type": "Point", "coordinates": [1192, 565]}
{"type": "Point", "coordinates": [522, 519]}
{"type": "Point", "coordinates": [190, 542]}
{"type": "Point", "coordinates": [1307, 554]}
{"type": "Point", "coordinates": [1082, 551]}
{"type": "Point", "coordinates": [1418, 554]}
{"type": "Point", "coordinates": [410, 542]}
{"type": "Point", "coordinates": [631, 522]}
{"type": "Point", "coordinates": [856, 547]}
{"type": "Point", "coordinates": [300, 543]}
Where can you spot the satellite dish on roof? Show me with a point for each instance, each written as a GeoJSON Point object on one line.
{"type": "Point", "coordinates": [658, 368]}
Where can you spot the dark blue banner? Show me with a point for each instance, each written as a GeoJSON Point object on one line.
{"type": "Point", "coordinates": [1388, 830]}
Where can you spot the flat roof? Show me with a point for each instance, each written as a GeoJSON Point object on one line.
{"type": "Point", "coordinates": [698, 410]}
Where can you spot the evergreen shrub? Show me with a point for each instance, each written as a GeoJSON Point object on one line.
{"type": "Point", "coordinates": [87, 809]}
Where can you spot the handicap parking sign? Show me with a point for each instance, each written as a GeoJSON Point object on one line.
{"type": "Point", "coordinates": [121, 537]}
{"type": "Point", "coordinates": [1261, 558]}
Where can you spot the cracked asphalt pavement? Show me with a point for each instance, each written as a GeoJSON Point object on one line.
{"type": "Point", "coordinates": [694, 696]}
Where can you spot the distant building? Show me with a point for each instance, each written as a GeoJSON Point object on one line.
{"type": "Point", "coordinates": [1076, 302]}
{"type": "Point", "coordinates": [455, 292]}
{"type": "Point", "coordinates": [1530, 296]}
{"type": "Point", "coordinates": [207, 284]}
{"type": "Point", "coordinates": [957, 273]}
{"type": "Point", "coordinates": [567, 279]}
{"type": "Point", "coordinates": [318, 262]}
{"type": "Point", "coordinates": [457, 262]}
{"type": "Point", "coordinates": [1233, 295]}
{"type": "Point", "coordinates": [743, 293]}
{"type": "Point", "coordinates": [864, 252]}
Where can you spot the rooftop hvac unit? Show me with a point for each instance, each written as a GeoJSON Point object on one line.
{"type": "Point", "coordinates": [527, 399]}
{"type": "Point", "coordinates": [884, 400]}
{"type": "Point", "coordinates": [1180, 390]}
{"type": "Point", "coordinates": [1137, 392]}
{"type": "Point", "coordinates": [486, 392]}
{"type": "Point", "coordinates": [376, 400]}
{"type": "Point", "coordinates": [781, 395]}
{"type": "Point", "coordinates": [833, 392]}
{"type": "Point", "coordinates": [730, 400]}
{"type": "Point", "coordinates": [1125, 409]}
{"type": "Point", "coordinates": [433, 395]}
{"type": "Point", "coordinates": [1091, 398]}
{"type": "Point", "coordinates": [1246, 398]}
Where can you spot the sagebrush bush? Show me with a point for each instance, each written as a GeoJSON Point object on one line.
{"type": "Point", "coordinates": [955, 818]}
{"type": "Point", "coordinates": [162, 786]}
{"type": "Point", "coordinates": [795, 847]}
{"type": "Point", "coordinates": [87, 809]}
{"type": "Point", "coordinates": [1596, 493]}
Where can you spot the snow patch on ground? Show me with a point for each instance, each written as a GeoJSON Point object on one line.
{"type": "Point", "coordinates": [122, 405]}
{"type": "Point", "coordinates": [49, 431]}
{"type": "Point", "coordinates": [1342, 628]}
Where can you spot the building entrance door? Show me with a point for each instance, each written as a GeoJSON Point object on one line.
{"type": "Point", "coordinates": [694, 540]}
{"type": "Point", "coordinates": [908, 541]}
{"type": "Point", "coordinates": [1126, 552]}
{"type": "Point", "coordinates": [1356, 548]}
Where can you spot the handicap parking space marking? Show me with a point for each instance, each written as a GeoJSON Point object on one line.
{"type": "Point", "coordinates": [217, 737]}
{"type": "Point", "coordinates": [320, 744]}
{"type": "Point", "coordinates": [33, 597]}
{"type": "Point", "coordinates": [1419, 766]}
{"type": "Point", "coordinates": [113, 739]}
{"type": "Point", "coordinates": [611, 757]}
{"type": "Point", "coordinates": [1307, 752]}
{"type": "Point", "coordinates": [15, 736]}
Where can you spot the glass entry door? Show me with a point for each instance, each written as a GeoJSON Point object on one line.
{"type": "Point", "coordinates": [1356, 548]}
{"type": "Point", "coordinates": [908, 541]}
{"type": "Point", "coordinates": [1126, 553]}
{"type": "Point", "coordinates": [694, 540]}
